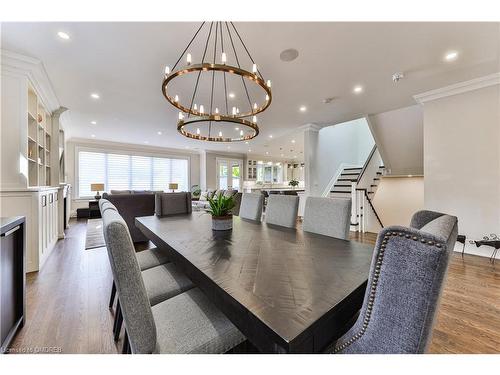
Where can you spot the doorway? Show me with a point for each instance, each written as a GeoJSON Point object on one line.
{"type": "Point", "coordinates": [229, 174]}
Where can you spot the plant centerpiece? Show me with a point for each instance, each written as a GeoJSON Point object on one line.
{"type": "Point", "coordinates": [293, 183]}
{"type": "Point", "coordinates": [220, 209]}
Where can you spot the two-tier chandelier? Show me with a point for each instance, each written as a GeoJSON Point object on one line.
{"type": "Point", "coordinates": [221, 100]}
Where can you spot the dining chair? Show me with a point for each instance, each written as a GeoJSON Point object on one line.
{"type": "Point", "coordinates": [172, 203]}
{"type": "Point", "coordinates": [162, 281]}
{"type": "Point", "coordinates": [251, 206]}
{"type": "Point", "coordinates": [282, 210]}
{"type": "Point", "coordinates": [186, 323]}
{"type": "Point", "coordinates": [405, 281]}
{"type": "Point", "coordinates": [328, 216]}
{"type": "Point", "coordinates": [147, 258]}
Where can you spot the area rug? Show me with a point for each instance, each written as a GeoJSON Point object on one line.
{"type": "Point", "coordinates": [95, 236]}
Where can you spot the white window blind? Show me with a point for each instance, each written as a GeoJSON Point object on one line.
{"type": "Point", "coordinates": [129, 172]}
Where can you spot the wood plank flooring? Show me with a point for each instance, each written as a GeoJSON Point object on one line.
{"type": "Point", "coordinates": [67, 302]}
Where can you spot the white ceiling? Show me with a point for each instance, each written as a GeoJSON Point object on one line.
{"type": "Point", "coordinates": [124, 63]}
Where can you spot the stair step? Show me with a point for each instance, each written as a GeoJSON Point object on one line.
{"type": "Point", "coordinates": [347, 179]}
{"type": "Point", "coordinates": [355, 224]}
{"type": "Point", "coordinates": [340, 191]}
{"type": "Point", "coordinates": [349, 174]}
{"type": "Point", "coordinates": [379, 173]}
{"type": "Point", "coordinates": [376, 179]}
{"type": "Point", "coordinates": [373, 185]}
{"type": "Point", "coordinates": [353, 169]}
{"type": "Point", "coordinates": [382, 167]}
{"type": "Point", "coordinates": [342, 185]}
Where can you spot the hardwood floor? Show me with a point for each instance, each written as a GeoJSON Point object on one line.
{"type": "Point", "coordinates": [67, 302]}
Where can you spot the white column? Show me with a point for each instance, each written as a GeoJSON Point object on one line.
{"type": "Point", "coordinates": [203, 170]}
{"type": "Point", "coordinates": [311, 132]}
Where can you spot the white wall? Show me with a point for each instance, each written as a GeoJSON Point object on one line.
{"type": "Point", "coordinates": [348, 143]}
{"type": "Point", "coordinates": [194, 161]}
{"type": "Point", "coordinates": [397, 199]}
{"type": "Point", "coordinates": [462, 159]}
{"type": "Point", "coordinates": [399, 138]}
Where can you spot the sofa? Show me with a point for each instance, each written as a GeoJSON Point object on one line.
{"type": "Point", "coordinates": [131, 204]}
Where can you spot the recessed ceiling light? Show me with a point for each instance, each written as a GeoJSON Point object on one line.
{"type": "Point", "coordinates": [93, 122]}
{"type": "Point", "coordinates": [94, 95]}
{"type": "Point", "coordinates": [270, 135]}
{"type": "Point", "coordinates": [231, 95]}
{"type": "Point", "coordinates": [267, 152]}
{"type": "Point", "coordinates": [293, 140]}
{"type": "Point", "coordinates": [303, 108]}
{"type": "Point", "coordinates": [93, 135]}
{"type": "Point", "coordinates": [358, 89]}
{"type": "Point", "coordinates": [282, 155]}
{"type": "Point", "coordinates": [146, 142]}
{"type": "Point", "coordinates": [451, 56]}
{"type": "Point", "coordinates": [228, 147]}
{"type": "Point", "coordinates": [294, 156]}
{"type": "Point", "coordinates": [159, 133]}
{"type": "Point", "coordinates": [236, 128]}
{"type": "Point", "coordinates": [63, 35]}
{"type": "Point", "coordinates": [246, 143]}
{"type": "Point", "coordinates": [249, 150]}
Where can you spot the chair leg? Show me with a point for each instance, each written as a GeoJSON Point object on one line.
{"type": "Point", "coordinates": [113, 294]}
{"type": "Point", "coordinates": [126, 344]}
{"type": "Point", "coordinates": [118, 321]}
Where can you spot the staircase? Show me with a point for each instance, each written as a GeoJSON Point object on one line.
{"type": "Point", "coordinates": [360, 184]}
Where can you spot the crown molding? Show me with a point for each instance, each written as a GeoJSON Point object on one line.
{"type": "Point", "coordinates": [459, 88]}
{"type": "Point", "coordinates": [311, 127]}
{"type": "Point", "coordinates": [34, 70]}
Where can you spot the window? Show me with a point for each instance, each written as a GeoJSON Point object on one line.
{"type": "Point", "coordinates": [129, 172]}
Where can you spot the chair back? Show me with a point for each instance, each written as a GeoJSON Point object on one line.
{"type": "Point", "coordinates": [134, 301]}
{"type": "Point", "coordinates": [251, 206]}
{"type": "Point", "coordinates": [173, 203]}
{"type": "Point", "coordinates": [104, 204]}
{"type": "Point", "coordinates": [282, 210]}
{"type": "Point", "coordinates": [328, 216]}
{"type": "Point", "coordinates": [405, 282]}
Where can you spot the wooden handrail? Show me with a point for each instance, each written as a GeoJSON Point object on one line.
{"type": "Point", "coordinates": [366, 163]}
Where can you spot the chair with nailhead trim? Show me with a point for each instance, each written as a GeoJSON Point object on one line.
{"type": "Point", "coordinates": [405, 281]}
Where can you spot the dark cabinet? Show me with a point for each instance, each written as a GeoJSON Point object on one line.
{"type": "Point", "coordinates": [12, 278]}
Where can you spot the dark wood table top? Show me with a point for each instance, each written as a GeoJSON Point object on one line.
{"type": "Point", "coordinates": [279, 284]}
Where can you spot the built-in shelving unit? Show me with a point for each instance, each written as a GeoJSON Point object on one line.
{"type": "Point", "coordinates": [251, 170]}
{"type": "Point", "coordinates": [39, 139]}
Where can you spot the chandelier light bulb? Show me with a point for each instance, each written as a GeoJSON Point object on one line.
{"type": "Point", "coordinates": [202, 109]}
{"type": "Point", "coordinates": [176, 99]}
{"type": "Point", "coordinates": [181, 116]}
{"type": "Point", "coordinates": [254, 119]}
{"type": "Point", "coordinates": [241, 133]}
{"type": "Point", "coordinates": [220, 134]}
{"type": "Point", "coordinates": [198, 131]}
{"type": "Point", "coordinates": [216, 110]}
{"type": "Point", "coordinates": [237, 110]}
{"type": "Point", "coordinates": [267, 98]}
{"type": "Point", "coordinates": [188, 59]}
{"type": "Point", "coordinates": [268, 83]}
{"type": "Point", "coordinates": [254, 105]}
{"type": "Point", "coordinates": [195, 107]}
{"type": "Point", "coordinates": [223, 58]}
{"type": "Point", "coordinates": [254, 68]}
{"type": "Point", "coordinates": [167, 70]}
{"type": "Point", "coordinates": [234, 111]}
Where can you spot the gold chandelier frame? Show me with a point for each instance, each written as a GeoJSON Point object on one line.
{"type": "Point", "coordinates": [191, 114]}
{"type": "Point", "coordinates": [217, 118]}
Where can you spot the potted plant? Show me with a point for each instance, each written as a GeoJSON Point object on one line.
{"type": "Point", "coordinates": [293, 183]}
{"type": "Point", "coordinates": [220, 209]}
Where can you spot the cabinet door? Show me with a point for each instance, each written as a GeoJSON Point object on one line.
{"type": "Point", "coordinates": [43, 222]}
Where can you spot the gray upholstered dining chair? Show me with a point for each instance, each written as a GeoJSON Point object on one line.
{"type": "Point", "coordinates": [104, 204]}
{"type": "Point", "coordinates": [185, 323]}
{"type": "Point", "coordinates": [251, 206]}
{"type": "Point", "coordinates": [172, 203]}
{"type": "Point", "coordinates": [162, 279]}
{"type": "Point", "coordinates": [328, 216]}
{"type": "Point", "coordinates": [282, 210]}
{"type": "Point", "coordinates": [404, 285]}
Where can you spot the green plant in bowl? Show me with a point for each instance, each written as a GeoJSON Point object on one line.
{"type": "Point", "coordinates": [220, 209]}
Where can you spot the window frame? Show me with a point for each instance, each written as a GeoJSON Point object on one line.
{"type": "Point", "coordinates": [121, 151]}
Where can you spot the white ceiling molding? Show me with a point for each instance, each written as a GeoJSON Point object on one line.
{"type": "Point", "coordinates": [34, 70]}
{"type": "Point", "coordinates": [311, 127]}
{"type": "Point", "coordinates": [459, 88]}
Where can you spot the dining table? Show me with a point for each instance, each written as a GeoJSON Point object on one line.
{"type": "Point", "coordinates": [286, 290]}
